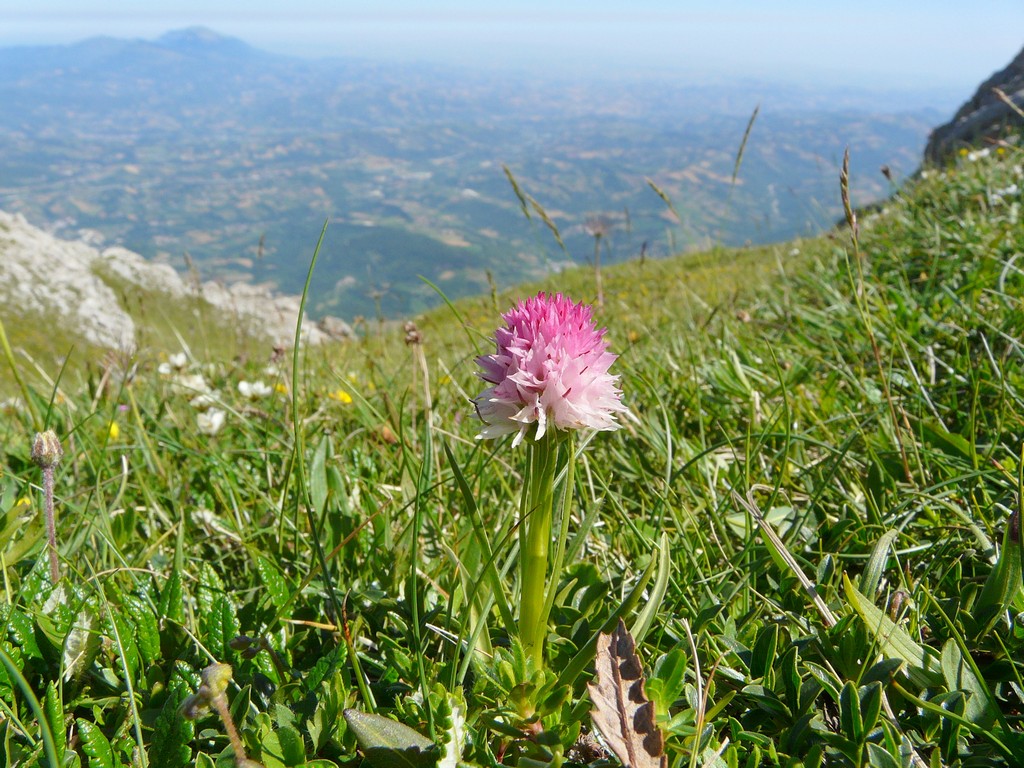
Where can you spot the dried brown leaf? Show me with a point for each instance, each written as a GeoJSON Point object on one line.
{"type": "Point", "coordinates": [622, 712]}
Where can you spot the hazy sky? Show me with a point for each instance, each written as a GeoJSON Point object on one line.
{"type": "Point", "coordinates": [870, 43]}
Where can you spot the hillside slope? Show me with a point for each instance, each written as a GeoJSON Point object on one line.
{"type": "Point", "coordinates": [56, 293]}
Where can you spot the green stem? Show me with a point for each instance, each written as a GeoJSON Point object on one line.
{"type": "Point", "coordinates": [535, 540]}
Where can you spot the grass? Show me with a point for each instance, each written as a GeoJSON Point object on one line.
{"type": "Point", "coordinates": [811, 525]}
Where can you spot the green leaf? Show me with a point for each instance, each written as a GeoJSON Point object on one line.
{"type": "Point", "coordinates": [147, 630]}
{"type": "Point", "coordinates": [763, 653]}
{"type": "Point", "coordinates": [879, 758]}
{"type": "Point", "coordinates": [318, 477]}
{"type": "Point", "coordinates": [870, 705]}
{"type": "Point", "coordinates": [960, 675]}
{"type": "Point", "coordinates": [922, 663]}
{"type": "Point", "coordinates": [1004, 580]}
{"type": "Point", "coordinates": [95, 745]}
{"type": "Point", "coordinates": [875, 568]}
{"type": "Point", "coordinates": [646, 618]}
{"type": "Point", "coordinates": [274, 581]}
{"type": "Point", "coordinates": [211, 588]}
{"type": "Point", "coordinates": [849, 713]}
{"type": "Point", "coordinates": [22, 631]}
{"type": "Point", "coordinates": [388, 743]}
{"type": "Point", "coordinates": [293, 750]}
{"type": "Point", "coordinates": [667, 681]}
{"type": "Point", "coordinates": [171, 604]}
{"type": "Point", "coordinates": [55, 718]}
{"type": "Point", "coordinates": [172, 733]}
{"type": "Point", "coordinates": [950, 443]}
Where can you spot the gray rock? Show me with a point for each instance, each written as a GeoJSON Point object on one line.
{"type": "Point", "coordinates": [74, 284]}
{"type": "Point", "coordinates": [983, 117]}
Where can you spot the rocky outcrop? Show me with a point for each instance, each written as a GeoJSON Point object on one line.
{"type": "Point", "coordinates": [81, 288]}
{"type": "Point", "coordinates": [984, 116]}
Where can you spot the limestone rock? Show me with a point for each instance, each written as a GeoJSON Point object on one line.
{"type": "Point", "coordinates": [81, 287]}
{"type": "Point", "coordinates": [983, 116]}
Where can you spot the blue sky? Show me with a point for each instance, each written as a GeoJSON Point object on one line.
{"type": "Point", "coordinates": [868, 43]}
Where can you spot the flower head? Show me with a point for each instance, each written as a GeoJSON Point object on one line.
{"type": "Point", "coordinates": [550, 369]}
{"type": "Point", "coordinates": [211, 422]}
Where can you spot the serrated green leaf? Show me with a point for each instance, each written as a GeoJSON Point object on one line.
{"type": "Point", "coordinates": [123, 636]}
{"type": "Point", "coordinates": [218, 626]}
{"type": "Point", "coordinates": [95, 745]}
{"type": "Point", "coordinates": [274, 581]}
{"type": "Point", "coordinates": [22, 632]}
{"type": "Point", "coordinates": [171, 604]}
{"type": "Point", "coordinates": [172, 733]}
{"type": "Point", "coordinates": [147, 630]}
{"type": "Point", "coordinates": [922, 663]}
{"type": "Point", "coordinates": [211, 588]}
{"type": "Point", "coordinates": [54, 712]}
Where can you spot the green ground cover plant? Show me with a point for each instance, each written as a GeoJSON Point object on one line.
{"type": "Point", "coordinates": [809, 522]}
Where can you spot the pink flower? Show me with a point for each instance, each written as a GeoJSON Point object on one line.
{"type": "Point", "coordinates": [550, 369]}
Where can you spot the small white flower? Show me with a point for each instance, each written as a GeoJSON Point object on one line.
{"type": "Point", "coordinates": [164, 369]}
{"type": "Point", "coordinates": [192, 383]}
{"type": "Point", "coordinates": [203, 401]}
{"type": "Point", "coordinates": [178, 361]}
{"type": "Point", "coordinates": [253, 390]}
{"type": "Point", "coordinates": [211, 422]}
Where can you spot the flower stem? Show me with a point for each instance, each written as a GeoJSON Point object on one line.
{"type": "Point", "coordinates": [51, 525]}
{"type": "Point", "coordinates": [535, 540]}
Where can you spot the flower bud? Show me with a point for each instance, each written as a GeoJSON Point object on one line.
{"type": "Point", "coordinates": [46, 450]}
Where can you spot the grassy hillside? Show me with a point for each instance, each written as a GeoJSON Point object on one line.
{"type": "Point", "coordinates": [810, 523]}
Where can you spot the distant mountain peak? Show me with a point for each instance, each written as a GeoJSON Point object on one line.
{"type": "Point", "coordinates": [202, 39]}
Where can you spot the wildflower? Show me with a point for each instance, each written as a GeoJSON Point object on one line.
{"type": "Point", "coordinates": [211, 422]}
{"type": "Point", "coordinates": [203, 401]}
{"type": "Point", "coordinates": [341, 396]}
{"type": "Point", "coordinates": [113, 430]}
{"type": "Point", "coordinates": [281, 388]}
{"type": "Point", "coordinates": [253, 390]}
{"type": "Point", "coordinates": [175, 362]}
{"type": "Point", "coordinates": [47, 452]}
{"type": "Point", "coordinates": [194, 383]}
{"type": "Point", "coordinates": [550, 369]}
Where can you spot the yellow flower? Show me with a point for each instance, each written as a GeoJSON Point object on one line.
{"type": "Point", "coordinates": [280, 388]}
{"type": "Point", "coordinates": [341, 396]}
{"type": "Point", "coordinates": [114, 430]}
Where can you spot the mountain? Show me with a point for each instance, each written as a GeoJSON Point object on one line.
{"type": "Point", "coordinates": [200, 152]}
{"type": "Point", "coordinates": [985, 116]}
